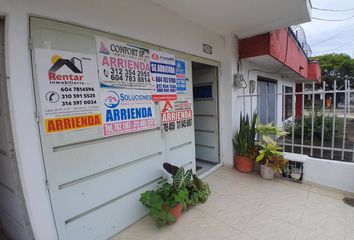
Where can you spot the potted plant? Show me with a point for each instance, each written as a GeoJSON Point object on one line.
{"type": "Point", "coordinates": [198, 191]}
{"type": "Point", "coordinates": [165, 204]}
{"type": "Point", "coordinates": [270, 156]}
{"type": "Point", "coordinates": [244, 144]}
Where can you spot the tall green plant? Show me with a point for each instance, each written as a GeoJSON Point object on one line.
{"type": "Point", "coordinates": [244, 139]}
{"type": "Point", "coordinates": [269, 152]}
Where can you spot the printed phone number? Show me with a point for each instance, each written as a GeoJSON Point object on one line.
{"type": "Point", "coordinates": [78, 95]}
{"type": "Point", "coordinates": [78, 103]}
{"type": "Point", "coordinates": [77, 89]}
{"type": "Point", "coordinates": [119, 74]}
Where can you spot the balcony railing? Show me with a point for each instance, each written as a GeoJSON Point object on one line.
{"type": "Point", "coordinates": [299, 34]}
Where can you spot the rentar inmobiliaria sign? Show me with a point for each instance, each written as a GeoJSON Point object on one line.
{"type": "Point", "coordinates": [68, 90]}
{"type": "Point", "coordinates": [115, 90]}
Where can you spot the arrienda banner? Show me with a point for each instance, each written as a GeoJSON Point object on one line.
{"type": "Point", "coordinates": [127, 110]}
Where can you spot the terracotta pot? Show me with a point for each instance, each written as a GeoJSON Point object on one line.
{"type": "Point", "coordinates": [177, 211]}
{"type": "Point", "coordinates": [243, 164]}
{"type": "Point", "coordinates": [267, 172]}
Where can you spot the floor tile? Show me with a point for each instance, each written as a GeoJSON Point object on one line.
{"type": "Point", "coordinates": [247, 207]}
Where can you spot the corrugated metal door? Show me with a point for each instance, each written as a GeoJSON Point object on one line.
{"type": "Point", "coordinates": [94, 182]}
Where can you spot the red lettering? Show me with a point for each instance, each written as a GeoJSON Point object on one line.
{"type": "Point", "coordinates": [59, 124]}
{"type": "Point", "coordinates": [67, 124]}
{"type": "Point", "coordinates": [51, 76]}
{"type": "Point", "coordinates": [120, 63]}
{"type": "Point", "coordinates": [51, 126]}
{"type": "Point", "coordinates": [113, 61]}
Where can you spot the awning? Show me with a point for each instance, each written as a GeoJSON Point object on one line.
{"type": "Point", "coordinates": [280, 50]}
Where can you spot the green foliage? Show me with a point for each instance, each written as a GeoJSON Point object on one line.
{"type": "Point", "coordinates": [199, 191]}
{"type": "Point", "coordinates": [269, 130]}
{"type": "Point", "coordinates": [244, 139]}
{"type": "Point", "coordinates": [181, 178]}
{"type": "Point", "coordinates": [269, 152]}
{"type": "Point", "coordinates": [160, 201]}
{"type": "Point", "coordinates": [171, 169]}
{"type": "Point", "coordinates": [336, 67]}
{"type": "Point", "coordinates": [317, 126]}
{"type": "Point", "coordinates": [185, 190]}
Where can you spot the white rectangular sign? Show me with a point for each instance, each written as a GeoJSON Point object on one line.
{"type": "Point", "coordinates": [122, 65]}
{"type": "Point", "coordinates": [68, 90]}
{"type": "Point", "coordinates": [163, 76]}
{"type": "Point", "coordinates": [126, 111]}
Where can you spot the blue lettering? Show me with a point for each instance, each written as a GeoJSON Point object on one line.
{"type": "Point", "coordinates": [123, 114]}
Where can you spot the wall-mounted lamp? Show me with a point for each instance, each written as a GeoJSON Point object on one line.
{"type": "Point", "coordinates": [238, 81]}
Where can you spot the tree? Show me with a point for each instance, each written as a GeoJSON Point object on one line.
{"type": "Point", "coordinates": [339, 67]}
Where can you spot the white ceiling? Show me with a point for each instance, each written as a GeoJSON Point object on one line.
{"type": "Point", "coordinates": [272, 65]}
{"type": "Point", "coordinates": [242, 18]}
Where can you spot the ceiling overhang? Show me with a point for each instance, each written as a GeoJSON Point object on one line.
{"type": "Point", "coordinates": [279, 52]}
{"type": "Point", "coordinates": [242, 18]}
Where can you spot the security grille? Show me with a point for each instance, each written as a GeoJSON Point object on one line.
{"type": "Point", "coordinates": [318, 116]}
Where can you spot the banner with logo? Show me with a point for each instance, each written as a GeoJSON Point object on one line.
{"type": "Point", "coordinates": [163, 76]}
{"type": "Point", "coordinates": [68, 90]}
{"type": "Point", "coordinates": [176, 114]}
{"type": "Point", "coordinates": [126, 111]}
{"type": "Point", "coordinates": [181, 83]}
{"type": "Point", "coordinates": [122, 65]}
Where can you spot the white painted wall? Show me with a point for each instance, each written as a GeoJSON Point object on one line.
{"type": "Point", "coordinates": [334, 174]}
{"type": "Point", "coordinates": [248, 105]}
{"type": "Point", "coordinates": [151, 24]}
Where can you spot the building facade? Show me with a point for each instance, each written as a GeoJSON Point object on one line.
{"type": "Point", "coordinates": [97, 95]}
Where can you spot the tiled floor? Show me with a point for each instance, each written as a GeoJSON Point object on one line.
{"type": "Point", "coordinates": [246, 207]}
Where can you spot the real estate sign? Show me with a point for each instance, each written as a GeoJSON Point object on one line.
{"type": "Point", "coordinates": [176, 115]}
{"type": "Point", "coordinates": [163, 76]}
{"type": "Point", "coordinates": [126, 111]}
{"type": "Point", "coordinates": [122, 65]}
{"type": "Point", "coordinates": [68, 90]}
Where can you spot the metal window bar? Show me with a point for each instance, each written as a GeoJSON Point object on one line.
{"type": "Point", "coordinates": [345, 118]}
{"type": "Point", "coordinates": [283, 113]}
{"type": "Point", "coordinates": [302, 117]}
{"type": "Point", "coordinates": [334, 146]}
{"type": "Point", "coordinates": [323, 119]}
{"type": "Point", "coordinates": [293, 119]}
{"type": "Point", "coordinates": [312, 117]}
{"type": "Point", "coordinates": [334, 115]}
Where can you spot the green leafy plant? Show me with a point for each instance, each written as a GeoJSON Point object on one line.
{"type": "Point", "coordinates": [162, 200]}
{"type": "Point", "coordinates": [270, 153]}
{"type": "Point", "coordinates": [198, 191]}
{"type": "Point", "coordinates": [181, 178]}
{"type": "Point", "coordinates": [244, 140]}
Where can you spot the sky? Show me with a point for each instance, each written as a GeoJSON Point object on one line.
{"type": "Point", "coordinates": [318, 31]}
